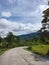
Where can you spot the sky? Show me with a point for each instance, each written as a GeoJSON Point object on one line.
{"type": "Point", "coordinates": [21, 16]}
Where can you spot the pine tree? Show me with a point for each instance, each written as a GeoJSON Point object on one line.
{"type": "Point", "coordinates": [44, 32]}
{"type": "Point", "coordinates": [45, 21]}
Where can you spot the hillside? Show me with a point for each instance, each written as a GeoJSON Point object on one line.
{"type": "Point", "coordinates": [25, 36]}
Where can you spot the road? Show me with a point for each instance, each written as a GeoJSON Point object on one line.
{"type": "Point", "coordinates": [19, 56]}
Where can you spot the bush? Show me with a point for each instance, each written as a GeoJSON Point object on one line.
{"type": "Point", "coordinates": [48, 53]}
{"type": "Point", "coordinates": [41, 49]}
{"type": "Point", "coordinates": [29, 47]}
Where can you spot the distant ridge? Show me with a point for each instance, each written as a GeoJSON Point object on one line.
{"type": "Point", "coordinates": [25, 36]}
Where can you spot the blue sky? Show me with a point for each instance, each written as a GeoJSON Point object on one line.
{"type": "Point", "coordinates": [21, 16]}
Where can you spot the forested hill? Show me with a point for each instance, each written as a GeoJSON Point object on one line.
{"type": "Point", "coordinates": [25, 36]}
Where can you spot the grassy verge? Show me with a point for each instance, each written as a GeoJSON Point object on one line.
{"type": "Point", "coordinates": [3, 50]}
{"type": "Point", "coordinates": [41, 49]}
{"type": "Point", "coordinates": [27, 49]}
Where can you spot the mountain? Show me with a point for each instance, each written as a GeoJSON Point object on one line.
{"type": "Point", "coordinates": [25, 36]}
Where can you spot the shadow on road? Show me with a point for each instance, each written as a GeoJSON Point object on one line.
{"type": "Point", "coordinates": [40, 58]}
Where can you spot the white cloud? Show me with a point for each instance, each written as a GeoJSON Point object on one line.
{"type": "Point", "coordinates": [6, 14]}
{"type": "Point", "coordinates": [46, 1]}
{"type": "Point", "coordinates": [39, 10]}
{"type": "Point", "coordinates": [28, 10]}
{"type": "Point", "coordinates": [11, 1]}
{"type": "Point", "coordinates": [17, 28]}
{"type": "Point", "coordinates": [24, 11]}
{"type": "Point", "coordinates": [43, 7]}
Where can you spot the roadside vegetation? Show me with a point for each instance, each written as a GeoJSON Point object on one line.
{"type": "Point", "coordinates": [10, 41]}
{"type": "Point", "coordinates": [34, 44]}
{"type": "Point", "coordinates": [41, 49]}
{"type": "Point", "coordinates": [2, 51]}
{"type": "Point", "coordinates": [41, 43]}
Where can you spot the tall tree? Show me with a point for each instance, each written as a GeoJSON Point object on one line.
{"type": "Point", "coordinates": [9, 37]}
{"type": "Point", "coordinates": [44, 32]}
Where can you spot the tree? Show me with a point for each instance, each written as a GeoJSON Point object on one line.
{"type": "Point", "coordinates": [0, 39]}
{"type": "Point", "coordinates": [45, 21]}
{"type": "Point", "coordinates": [9, 37]}
{"type": "Point", "coordinates": [44, 31]}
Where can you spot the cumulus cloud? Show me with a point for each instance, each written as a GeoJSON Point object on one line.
{"type": "Point", "coordinates": [21, 16]}
{"type": "Point", "coordinates": [26, 8]}
{"type": "Point", "coordinates": [11, 1]}
{"type": "Point", "coordinates": [6, 14]}
{"type": "Point", "coordinates": [17, 28]}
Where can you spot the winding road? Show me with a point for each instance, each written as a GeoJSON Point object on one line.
{"type": "Point", "coordinates": [19, 56]}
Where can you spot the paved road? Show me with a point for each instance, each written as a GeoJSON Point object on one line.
{"type": "Point", "coordinates": [19, 56]}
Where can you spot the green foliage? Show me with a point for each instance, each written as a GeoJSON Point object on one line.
{"type": "Point", "coordinates": [10, 37]}
{"type": "Point", "coordinates": [11, 41]}
{"type": "Point", "coordinates": [29, 47]}
{"type": "Point", "coordinates": [47, 40]}
{"type": "Point", "coordinates": [41, 49]}
{"type": "Point", "coordinates": [39, 46]}
{"type": "Point", "coordinates": [2, 50]}
{"type": "Point", "coordinates": [44, 31]}
{"type": "Point", "coordinates": [0, 39]}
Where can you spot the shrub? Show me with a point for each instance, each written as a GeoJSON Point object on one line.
{"type": "Point", "coordinates": [29, 47]}
{"type": "Point", "coordinates": [41, 49]}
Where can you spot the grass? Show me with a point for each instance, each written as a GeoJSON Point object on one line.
{"type": "Point", "coordinates": [41, 49]}
{"type": "Point", "coordinates": [2, 51]}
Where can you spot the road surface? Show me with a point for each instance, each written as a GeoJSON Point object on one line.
{"type": "Point", "coordinates": [19, 56]}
